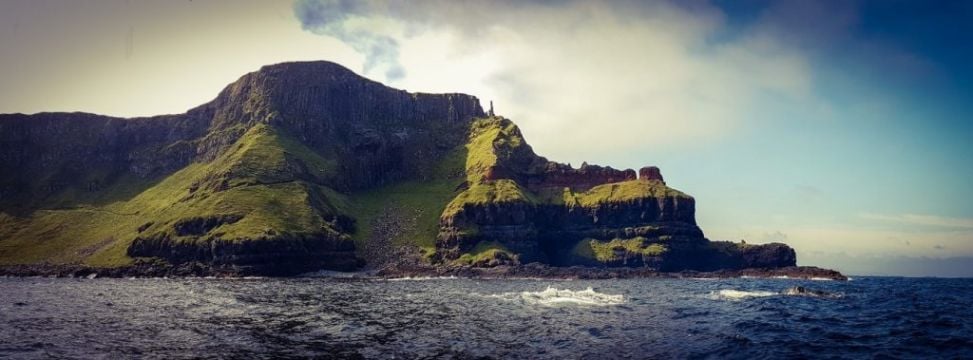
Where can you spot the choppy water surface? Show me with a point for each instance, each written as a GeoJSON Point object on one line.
{"type": "Point", "coordinates": [463, 318]}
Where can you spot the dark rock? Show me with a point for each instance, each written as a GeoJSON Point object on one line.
{"type": "Point", "coordinates": [651, 173]}
{"type": "Point", "coordinates": [586, 177]}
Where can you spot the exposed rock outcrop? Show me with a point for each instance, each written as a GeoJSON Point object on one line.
{"type": "Point", "coordinates": [651, 173]}
{"type": "Point", "coordinates": [556, 175]}
{"type": "Point", "coordinates": [520, 208]}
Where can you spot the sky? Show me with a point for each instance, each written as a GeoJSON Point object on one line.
{"type": "Point", "coordinates": [841, 128]}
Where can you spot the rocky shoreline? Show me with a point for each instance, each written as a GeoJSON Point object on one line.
{"type": "Point", "coordinates": [533, 270]}
{"type": "Point", "coordinates": [536, 270]}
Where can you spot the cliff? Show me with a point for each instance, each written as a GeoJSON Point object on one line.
{"type": "Point", "coordinates": [304, 166]}
{"type": "Point", "coordinates": [517, 207]}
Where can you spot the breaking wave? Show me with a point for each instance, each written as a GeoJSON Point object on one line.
{"type": "Point", "coordinates": [557, 297]}
{"type": "Point", "coordinates": [729, 294]}
{"type": "Point", "coordinates": [422, 278]}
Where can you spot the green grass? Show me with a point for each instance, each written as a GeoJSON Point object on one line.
{"type": "Point", "coordinates": [489, 137]}
{"type": "Point", "coordinates": [610, 193]}
{"type": "Point", "coordinates": [423, 201]}
{"type": "Point", "coordinates": [496, 140]}
{"type": "Point", "coordinates": [262, 177]}
{"type": "Point", "coordinates": [500, 191]}
{"type": "Point", "coordinates": [606, 251]}
{"type": "Point", "coordinates": [483, 252]}
{"type": "Point", "coordinates": [273, 183]}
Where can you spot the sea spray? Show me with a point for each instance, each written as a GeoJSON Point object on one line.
{"type": "Point", "coordinates": [557, 297]}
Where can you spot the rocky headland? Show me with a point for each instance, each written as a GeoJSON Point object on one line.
{"type": "Point", "coordinates": [307, 166]}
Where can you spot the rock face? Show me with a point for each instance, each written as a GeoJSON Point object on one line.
{"type": "Point", "coordinates": [258, 179]}
{"type": "Point", "coordinates": [649, 173]}
{"type": "Point", "coordinates": [557, 175]}
{"type": "Point", "coordinates": [278, 173]}
{"type": "Point", "coordinates": [518, 208]}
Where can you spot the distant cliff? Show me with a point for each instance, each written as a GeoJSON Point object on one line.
{"type": "Point", "coordinates": [304, 166]}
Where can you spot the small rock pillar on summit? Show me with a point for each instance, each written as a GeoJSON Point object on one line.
{"type": "Point", "coordinates": [651, 173]}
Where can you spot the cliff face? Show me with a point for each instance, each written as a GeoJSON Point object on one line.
{"type": "Point", "coordinates": [260, 179]}
{"type": "Point", "coordinates": [518, 207]}
{"type": "Point", "coordinates": [303, 166]}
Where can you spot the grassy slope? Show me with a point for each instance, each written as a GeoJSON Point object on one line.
{"type": "Point", "coordinates": [271, 180]}
{"type": "Point", "coordinates": [492, 138]}
{"type": "Point", "coordinates": [605, 251]}
{"type": "Point", "coordinates": [423, 199]}
{"type": "Point", "coordinates": [260, 185]}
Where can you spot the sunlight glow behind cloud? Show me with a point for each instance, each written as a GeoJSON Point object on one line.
{"type": "Point", "coordinates": [577, 72]}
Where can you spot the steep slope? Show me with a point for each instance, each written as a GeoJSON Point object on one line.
{"type": "Point", "coordinates": [304, 166]}
{"type": "Point", "coordinates": [256, 181]}
{"type": "Point", "coordinates": [519, 207]}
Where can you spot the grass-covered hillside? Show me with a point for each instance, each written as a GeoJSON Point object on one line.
{"type": "Point", "coordinates": [294, 167]}
{"type": "Point", "coordinates": [263, 187]}
{"type": "Point", "coordinates": [518, 207]}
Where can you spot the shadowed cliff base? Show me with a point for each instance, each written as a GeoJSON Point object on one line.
{"type": "Point", "coordinates": [300, 167]}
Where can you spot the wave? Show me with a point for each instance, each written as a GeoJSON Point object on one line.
{"type": "Point", "coordinates": [730, 294]}
{"type": "Point", "coordinates": [558, 297]}
{"type": "Point", "coordinates": [336, 274]}
{"type": "Point", "coordinates": [802, 291]}
{"type": "Point", "coordinates": [422, 278]}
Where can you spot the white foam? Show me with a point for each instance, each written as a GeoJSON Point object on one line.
{"type": "Point", "coordinates": [336, 274]}
{"type": "Point", "coordinates": [558, 297]}
{"type": "Point", "coordinates": [730, 294]}
{"type": "Point", "coordinates": [423, 278]}
{"type": "Point", "coordinates": [821, 279]}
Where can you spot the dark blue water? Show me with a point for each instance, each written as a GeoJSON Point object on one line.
{"type": "Point", "coordinates": [462, 318]}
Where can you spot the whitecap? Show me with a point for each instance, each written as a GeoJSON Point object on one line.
{"type": "Point", "coordinates": [558, 297]}
{"type": "Point", "coordinates": [422, 278]}
{"type": "Point", "coordinates": [335, 274]}
{"type": "Point", "coordinates": [821, 279]}
{"type": "Point", "coordinates": [729, 294]}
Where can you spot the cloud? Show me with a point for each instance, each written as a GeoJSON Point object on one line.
{"type": "Point", "coordinates": [336, 19]}
{"type": "Point", "coordinates": [923, 220]}
{"type": "Point", "coordinates": [636, 75]}
{"type": "Point", "coordinates": [949, 266]}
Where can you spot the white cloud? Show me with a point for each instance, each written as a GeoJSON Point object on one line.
{"type": "Point", "coordinates": [590, 81]}
{"type": "Point", "coordinates": [920, 219]}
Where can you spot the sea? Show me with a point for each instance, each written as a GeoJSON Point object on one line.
{"type": "Point", "coordinates": [445, 318]}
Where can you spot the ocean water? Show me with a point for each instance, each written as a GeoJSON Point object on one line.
{"type": "Point", "coordinates": [466, 318]}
